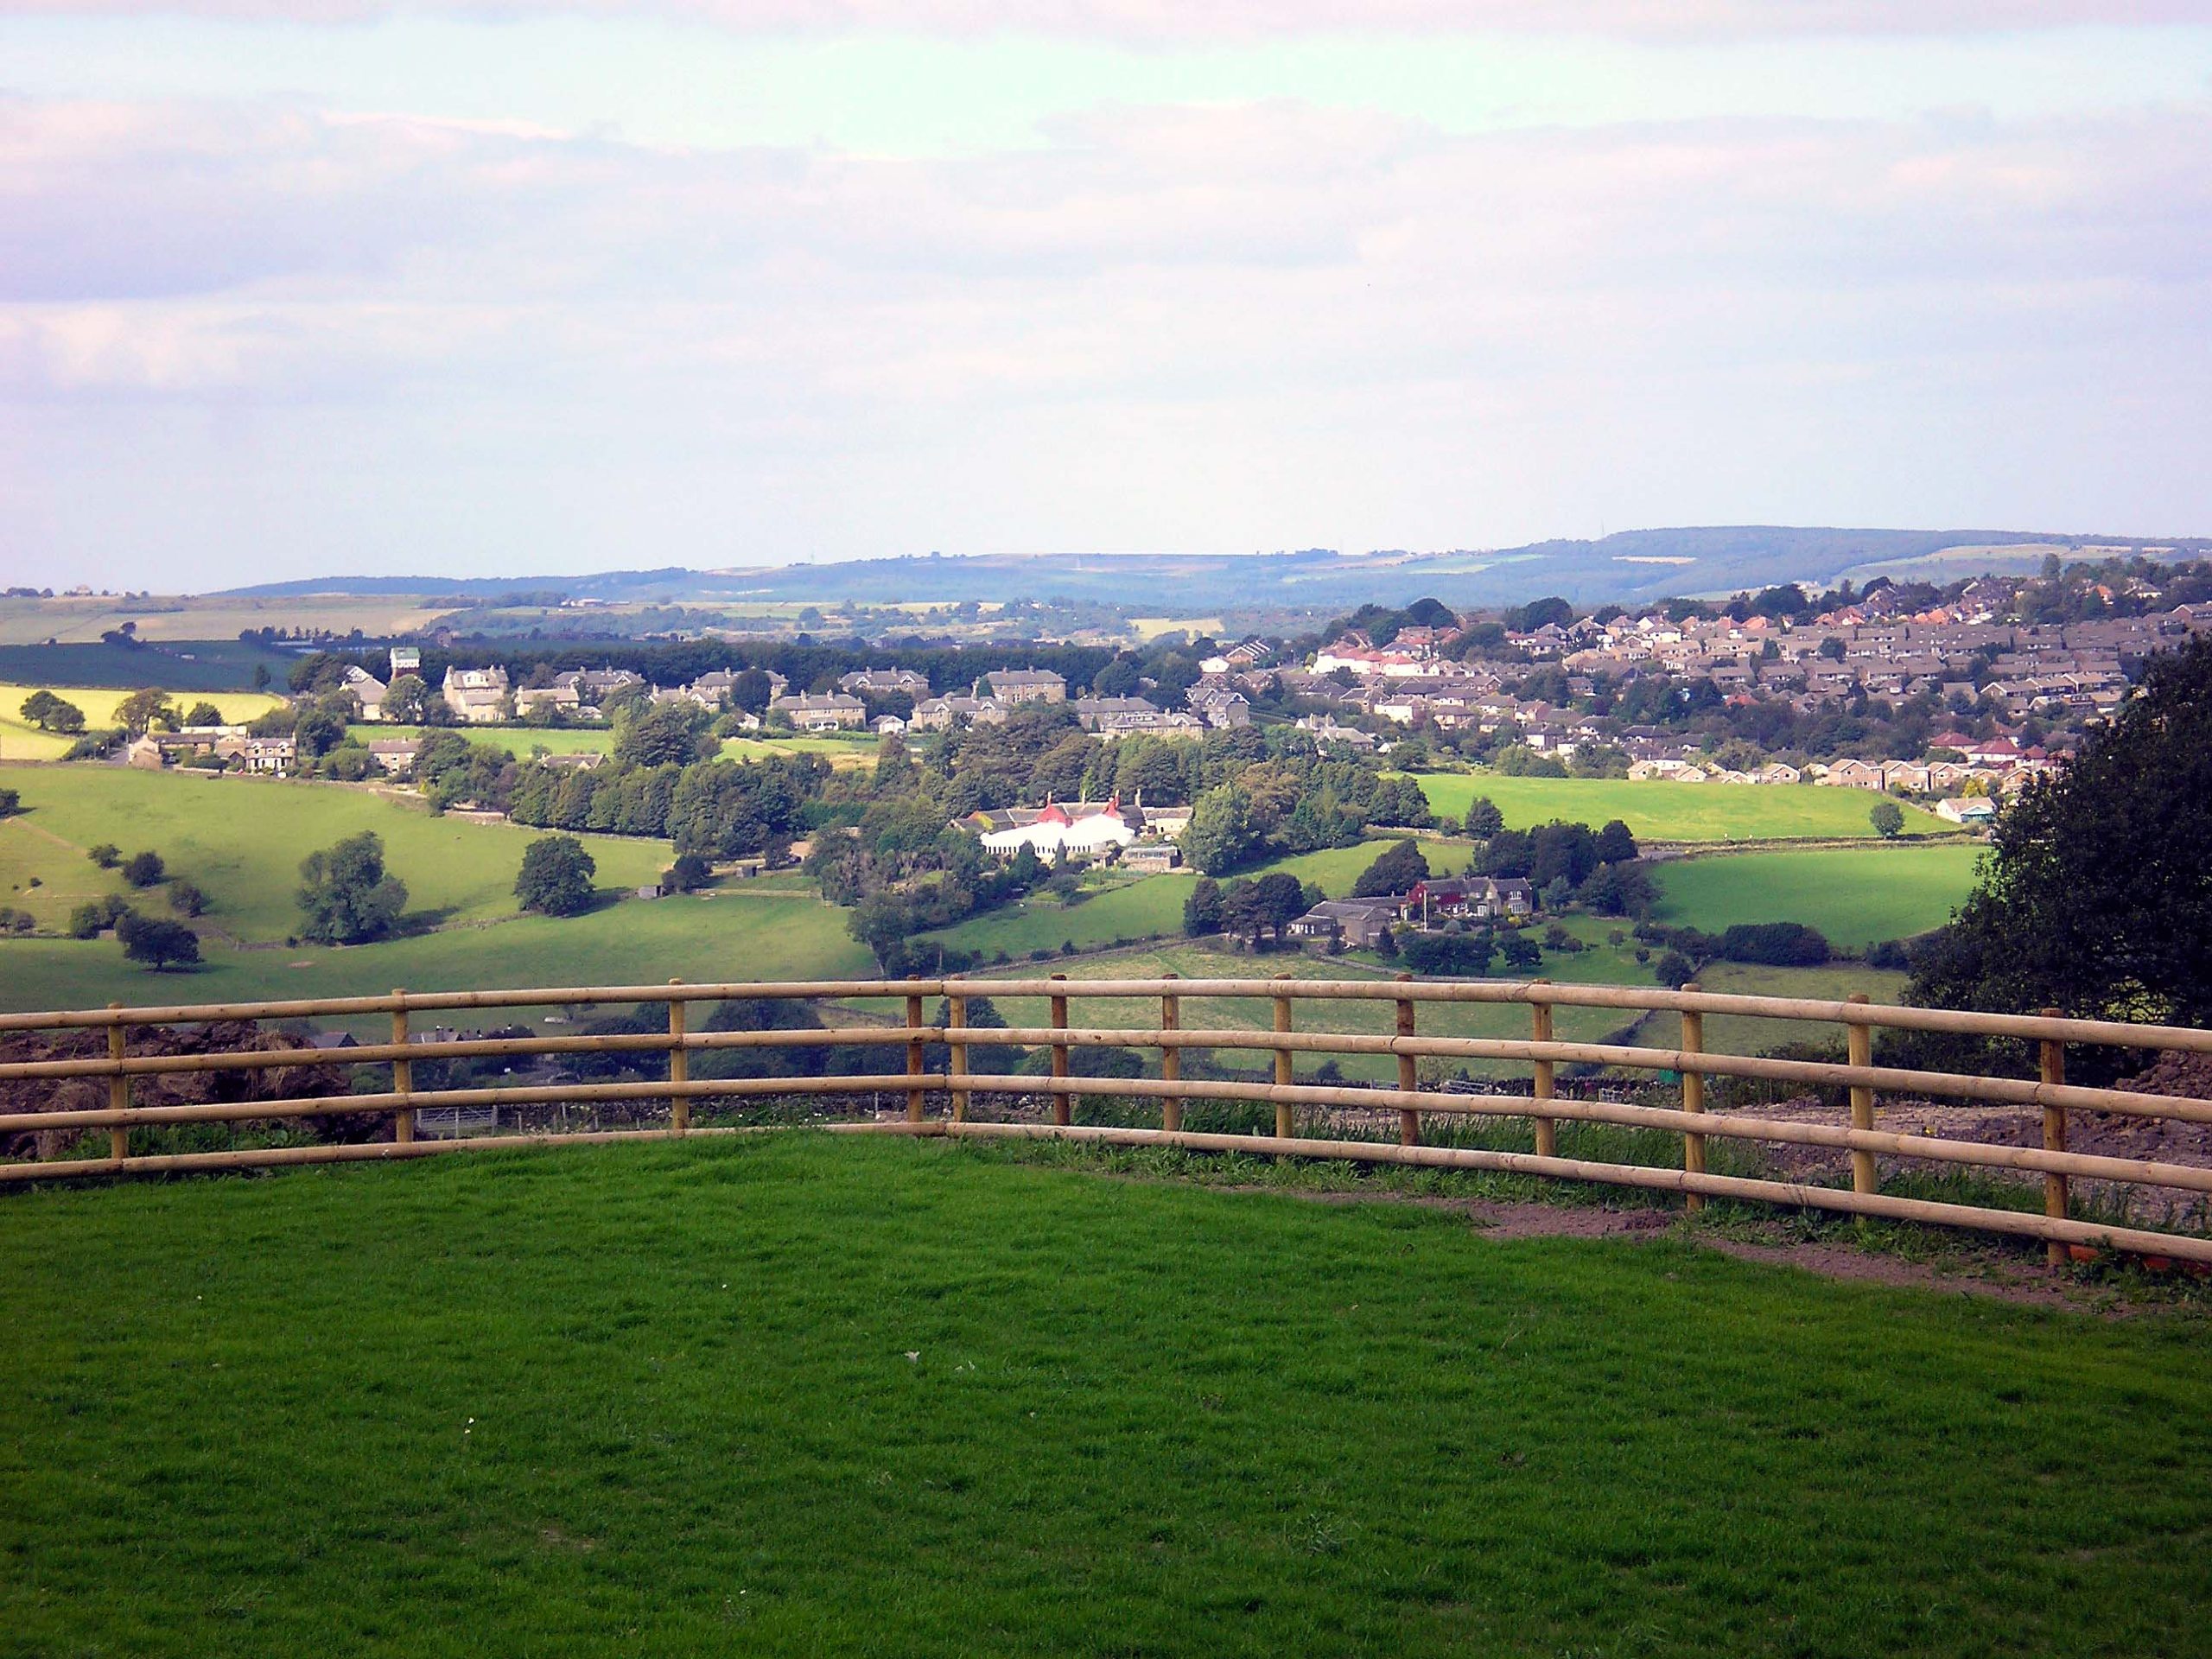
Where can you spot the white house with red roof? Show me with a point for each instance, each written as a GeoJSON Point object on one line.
{"type": "Point", "coordinates": [1085, 830]}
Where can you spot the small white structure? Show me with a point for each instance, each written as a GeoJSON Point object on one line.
{"type": "Point", "coordinates": [1084, 830]}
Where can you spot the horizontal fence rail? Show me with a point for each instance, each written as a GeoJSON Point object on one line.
{"type": "Point", "coordinates": [1279, 1032]}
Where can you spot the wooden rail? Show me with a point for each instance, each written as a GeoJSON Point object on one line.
{"type": "Point", "coordinates": [1277, 1031]}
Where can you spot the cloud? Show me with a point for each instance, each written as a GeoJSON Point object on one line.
{"type": "Point", "coordinates": [1164, 21]}
{"type": "Point", "coordinates": [1243, 325]}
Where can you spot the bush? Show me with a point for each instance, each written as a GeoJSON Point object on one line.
{"type": "Point", "coordinates": [185, 898]}
{"type": "Point", "coordinates": [89, 919]}
{"type": "Point", "coordinates": [1775, 944]}
{"type": "Point", "coordinates": [1675, 970]}
{"type": "Point", "coordinates": [144, 870]}
{"type": "Point", "coordinates": [107, 855]}
{"type": "Point", "coordinates": [1889, 953]}
{"type": "Point", "coordinates": [689, 873]}
{"type": "Point", "coordinates": [15, 921]}
{"type": "Point", "coordinates": [11, 802]}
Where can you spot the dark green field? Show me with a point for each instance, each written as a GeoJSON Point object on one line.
{"type": "Point", "coordinates": [799, 1394]}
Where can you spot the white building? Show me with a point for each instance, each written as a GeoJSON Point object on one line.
{"type": "Point", "coordinates": [1083, 831]}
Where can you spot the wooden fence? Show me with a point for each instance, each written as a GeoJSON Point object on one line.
{"type": "Point", "coordinates": [1690, 1064]}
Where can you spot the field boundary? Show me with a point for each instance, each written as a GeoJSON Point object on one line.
{"type": "Point", "coordinates": [1688, 1065]}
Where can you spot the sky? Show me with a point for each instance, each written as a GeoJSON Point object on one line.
{"type": "Point", "coordinates": [302, 287]}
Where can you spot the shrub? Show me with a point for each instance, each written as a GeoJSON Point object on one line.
{"type": "Point", "coordinates": [11, 802]}
{"type": "Point", "coordinates": [1675, 970]}
{"type": "Point", "coordinates": [144, 869]}
{"type": "Point", "coordinates": [1775, 944]}
{"type": "Point", "coordinates": [185, 898]}
{"type": "Point", "coordinates": [107, 855]}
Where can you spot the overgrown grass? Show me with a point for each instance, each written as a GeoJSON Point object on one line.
{"type": "Point", "coordinates": [796, 1395]}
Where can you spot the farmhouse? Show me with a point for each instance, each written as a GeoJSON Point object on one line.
{"type": "Point", "coordinates": [1453, 897]}
{"type": "Point", "coordinates": [368, 691]}
{"type": "Point", "coordinates": [396, 755]}
{"type": "Point", "coordinates": [1360, 923]}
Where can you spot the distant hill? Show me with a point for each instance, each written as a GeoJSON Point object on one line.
{"type": "Point", "coordinates": [1626, 566]}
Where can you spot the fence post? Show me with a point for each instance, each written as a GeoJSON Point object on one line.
{"type": "Point", "coordinates": [956, 1019]}
{"type": "Point", "coordinates": [118, 1092]}
{"type": "Point", "coordinates": [914, 1096]}
{"type": "Point", "coordinates": [2052, 1069]}
{"type": "Point", "coordinates": [403, 1071]}
{"type": "Point", "coordinates": [1408, 1078]}
{"type": "Point", "coordinates": [1859, 1037]}
{"type": "Point", "coordinates": [1693, 1097]}
{"type": "Point", "coordinates": [1170, 1062]}
{"type": "Point", "coordinates": [1285, 1073]}
{"type": "Point", "coordinates": [679, 1065]}
{"type": "Point", "coordinates": [1539, 1023]}
{"type": "Point", "coordinates": [1061, 1113]}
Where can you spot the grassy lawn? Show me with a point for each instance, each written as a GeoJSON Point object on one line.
{"type": "Point", "coordinates": [798, 1395]}
{"type": "Point", "coordinates": [242, 839]}
{"type": "Point", "coordinates": [843, 753]}
{"type": "Point", "coordinates": [1657, 811]}
{"type": "Point", "coordinates": [20, 741]}
{"type": "Point", "coordinates": [1853, 896]}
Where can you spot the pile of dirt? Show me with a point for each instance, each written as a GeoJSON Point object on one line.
{"type": "Point", "coordinates": [166, 1089]}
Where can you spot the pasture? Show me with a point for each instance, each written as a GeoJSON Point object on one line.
{"type": "Point", "coordinates": [799, 1394]}
{"type": "Point", "coordinates": [1151, 906]}
{"type": "Point", "coordinates": [241, 840]}
{"type": "Point", "coordinates": [220, 617]}
{"type": "Point", "coordinates": [1658, 811]}
{"type": "Point", "coordinates": [1854, 896]}
{"type": "Point", "coordinates": [20, 741]}
{"type": "Point", "coordinates": [521, 741]}
{"type": "Point", "coordinates": [1211, 961]}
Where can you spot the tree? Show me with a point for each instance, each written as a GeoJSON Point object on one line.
{"type": "Point", "coordinates": [1615, 844]}
{"type": "Point", "coordinates": [346, 895]}
{"type": "Point", "coordinates": [556, 876]}
{"type": "Point", "coordinates": [673, 734]}
{"type": "Point", "coordinates": [185, 898]}
{"type": "Point", "coordinates": [689, 873]}
{"type": "Point", "coordinates": [143, 869]}
{"type": "Point", "coordinates": [1484, 819]}
{"type": "Point", "coordinates": [1202, 910]}
{"type": "Point", "coordinates": [11, 802]}
{"type": "Point", "coordinates": [1887, 817]}
{"type": "Point", "coordinates": [1620, 890]}
{"type": "Point", "coordinates": [87, 919]}
{"type": "Point", "coordinates": [160, 944]}
{"type": "Point", "coordinates": [1395, 870]}
{"type": "Point", "coordinates": [107, 855]}
{"type": "Point", "coordinates": [317, 732]}
{"type": "Point", "coordinates": [143, 708]}
{"type": "Point", "coordinates": [1278, 900]}
{"type": "Point", "coordinates": [406, 698]}
{"type": "Point", "coordinates": [1674, 971]}
{"type": "Point", "coordinates": [1520, 951]}
{"type": "Point", "coordinates": [203, 713]}
{"type": "Point", "coordinates": [50, 714]}
{"type": "Point", "coordinates": [1222, 834]}
{"type": "Point", "coordinates": [2093, 897]}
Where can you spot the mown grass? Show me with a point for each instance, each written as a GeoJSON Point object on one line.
{"type": "Point", "coordinates": [1658, 811]}
{"type": "Point", "coordinates": [1855, 897]}
{"type": "Point", "coordinates": [794, 1395]}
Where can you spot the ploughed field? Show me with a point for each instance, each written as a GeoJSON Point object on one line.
{"type": "Point", "coordinates": [797, 1394]}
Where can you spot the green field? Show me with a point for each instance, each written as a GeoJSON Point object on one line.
{"type": "Point", "coordinates": [805, 1395]}
{"type": "Point", "coordinates": [518, 740]}
{"type": "Point", "coordinates": [1657, 811]}
{"type": "Point", "coordinates": [1855, 897]}
{"type": "Point", "coordinates": [1205, 962]}
{"type": "Point", "coordinates": [241, 839]}
{"type": "Point", "coordinates": [19, 740]}
{"type": "Point", "coordinates": [734, 935]}
{"type": "Point", "coordinates": [843, 753]}
{"type": "Point", "coordinates": [1151, 906]}
{"type": "Point", "coordinates": [1731, 1034]}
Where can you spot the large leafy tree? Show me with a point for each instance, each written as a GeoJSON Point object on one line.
{"type": "Point", "coordinates": [1222, 834]}
{"type": "Point", "coordinates": [346, 897]}
{"type": "Point", "coordinates": [2096, 894]}
{"type": "Point", "coordinates": [556, 876]}
{"type": "Point", "coordinates": [1395, 870]}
